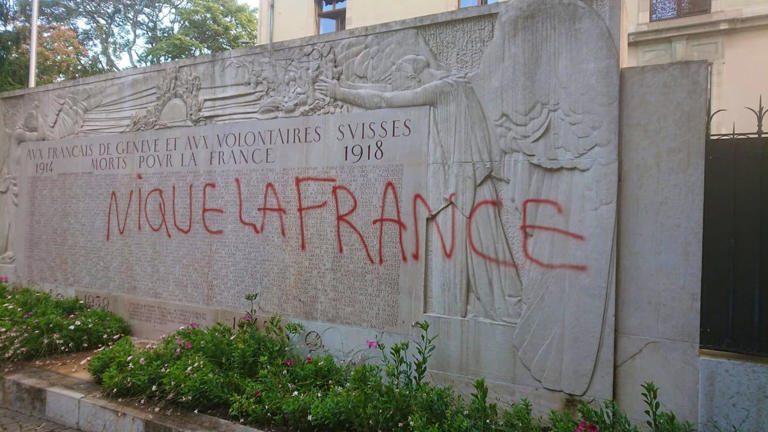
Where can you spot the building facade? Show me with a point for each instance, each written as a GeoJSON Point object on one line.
{"type": "Point", "coordinates": [731, 34]}
{"type": "Point", "coordinates": [293, 19]}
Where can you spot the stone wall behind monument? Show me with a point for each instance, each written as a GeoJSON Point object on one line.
{"type": "Point", "coordinates": [460, 168]}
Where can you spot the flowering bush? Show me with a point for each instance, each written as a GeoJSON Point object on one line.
{"type": "Point", "coordinates": [258, 377]}
{"type": "Point", "coordinates": [34, 325]}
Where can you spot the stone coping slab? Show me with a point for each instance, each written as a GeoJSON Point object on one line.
{"type": "Point", "coordinates": [77, 403]}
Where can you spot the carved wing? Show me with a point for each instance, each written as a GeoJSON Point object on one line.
{"type": "Point", "coordinates": [549, 84]}
{"type": "Point", "coordinates": [370, 60]}
{"type": "Point", "coordinates": [70, 110]}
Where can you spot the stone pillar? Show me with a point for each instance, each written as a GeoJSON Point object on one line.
{"type": "Point", "coordinates": [661, 199]}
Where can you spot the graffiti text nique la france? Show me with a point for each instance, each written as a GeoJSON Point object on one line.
{"type": "Point", "coordinates": [158, 210]}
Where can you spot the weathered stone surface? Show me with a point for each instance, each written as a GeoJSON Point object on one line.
{"type": "Point", "coordinates": [358, 181]}
{"type": "Point", "coordinates": [734, 393]}
{"type": "Point", "coordinates": [17, 422]}
{"type": "Point", "coordinates": [664, 112]}
{"type": "Point", "coordinates": [8, 271]}
{"type": "Point", "coordinates": [62, 405]}
{"type": "Point", "coordinates": [96, 415]}
{"type": "Point", "coordinates": [24, 394]}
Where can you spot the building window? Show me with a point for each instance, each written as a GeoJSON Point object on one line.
{"type": "Point", "coordinates": [468, 3]}
{"type": "Point", "coordinates": [331, 15]}
{"type": "Point", "coordinates": [668, 9]}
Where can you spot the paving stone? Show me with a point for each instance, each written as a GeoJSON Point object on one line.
{"type": "Point", "coordinates": [12, 421]}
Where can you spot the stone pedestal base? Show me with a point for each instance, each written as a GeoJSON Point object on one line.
{"type": "Point", "coordinates": [8, 271]}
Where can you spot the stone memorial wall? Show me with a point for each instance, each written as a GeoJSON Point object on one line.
{"type": "Point", "coordinates": [459, 167]}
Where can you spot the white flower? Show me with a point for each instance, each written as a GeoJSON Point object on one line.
{"type": "Point", "coordinates": [309, 417]}
{"type": "Point", "coordinates": [71, 327]}
{"type": "Point", "coordinates": [78, 323]}
{"type": "Point", "coordinates": [295, 393]}
{"type": "Point", "coordinates": [154, 388]}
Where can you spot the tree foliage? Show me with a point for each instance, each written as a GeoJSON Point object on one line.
{"type": "Point", "coordinates": [82, 37]}
{"type": "Point", "coordinates": [202, 27]}
{"type": "Point", "coordinates": [60, 56]}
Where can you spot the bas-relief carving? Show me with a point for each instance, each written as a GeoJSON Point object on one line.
{"type": "Point", "coordinates": [282, 84]}
{"type": "Point", "coordinates": [61, 115]}
{"type": "Point", "coordinates": [523, 119]}
{"type": "Point", "coordinates": [459, 45]}
{"type": "Point", "coordinates": [180, 85]}
{"type": "Point", "coordinates": [558, 138]}
{"type": "Point", "coordinates": [474, 287]}
{"type": "Point", "coordinates": [31, 128]}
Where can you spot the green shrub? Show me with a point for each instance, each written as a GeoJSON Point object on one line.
{"type": "Point", "coordinates": [258, 377]}
{"type": "Point", "coordinates": [34, 325]}
{"type": "Point", "coordinates": [112, 357]}
{"type": "Point", "coordinates": [659, 420]}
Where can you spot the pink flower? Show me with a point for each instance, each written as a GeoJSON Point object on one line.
{"type": "Point", "coordinates": [193, 325]}
{"type": "Point", "coordinates": [247, 317]}
{"type": "Point", "coordinates": [179, 341]}
{"type": "Point", "coordinates": [188, 345]}
{"type": "Point", "coordinates": [586, 427]}
{"type": "Point", "coordinates": [308, 359]}
{"type": "Point", "coordinates": [257, 393]}
{"type": "Point", "coordinates": [178, 350]}
{"type": "Point", "coordinates": [372, 344]}
{"type": "Point", "coordinates": [289, 362]}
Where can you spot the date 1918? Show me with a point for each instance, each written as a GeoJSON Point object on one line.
{"type": "Point", "coordinates": [42, 168]}
{"type": "Point", "coordinates": [359, 152]}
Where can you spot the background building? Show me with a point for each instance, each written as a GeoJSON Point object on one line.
{"type": "Point", "coordinates": [731, 34]}
{"type": "Point", "coordinates": [298, 18]}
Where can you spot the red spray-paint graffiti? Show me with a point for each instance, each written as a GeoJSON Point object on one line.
{"type": "Point", "coordinates": [345, 203]}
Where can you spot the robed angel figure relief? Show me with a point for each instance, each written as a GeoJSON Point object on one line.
{"type": "Point", "coordinates": [550, 167]}
{"type": "Point", "coordinates": [474, 286]}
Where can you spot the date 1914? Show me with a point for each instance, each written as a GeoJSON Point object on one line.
{"type": "Point", "coordinates": [44, 168]}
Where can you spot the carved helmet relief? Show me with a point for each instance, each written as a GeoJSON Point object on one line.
{"type": "Point", "coordinates": [178, 87]}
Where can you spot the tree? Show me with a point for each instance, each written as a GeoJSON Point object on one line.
{"type": "Point", "coordinates": [60, 56]}
{"type": "Point", "coordinates": [100, 25]}
{"type": "Point", "coordinates": [83, 37]}
{"type": "Point", "coordinates": [5, 12]}
{"type": "Point", "coordinates": [202, 27]}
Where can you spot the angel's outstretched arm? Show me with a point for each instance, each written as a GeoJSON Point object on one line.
{"type": "Point", "coordinates": [374, 99]}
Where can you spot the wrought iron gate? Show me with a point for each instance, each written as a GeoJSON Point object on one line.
{"type": "Point", "coordinates": [734, 294]}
